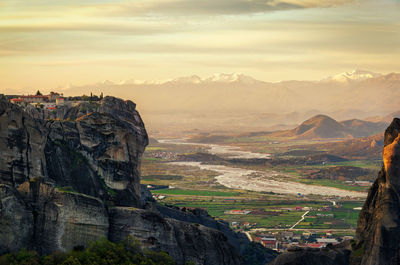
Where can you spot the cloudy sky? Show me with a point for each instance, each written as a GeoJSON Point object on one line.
{"type": "Point", "coordinates": [52, 43]}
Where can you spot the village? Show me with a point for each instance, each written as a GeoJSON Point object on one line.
{"type": "Point", "coordinates": [55, 106]}
{"type": "Point", "coordinates": [51, 101]}
{"type": "Point", "coordinates": [285, 239]}
{"type": "Point", "coordinates": [300, 234]}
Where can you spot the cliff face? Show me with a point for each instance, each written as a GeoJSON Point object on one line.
{"type": "Point", "coordinates": [378, 229]}
{"type": "Point", "coordinates": [64, 183]}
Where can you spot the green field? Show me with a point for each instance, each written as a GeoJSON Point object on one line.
{"type": "Point", "coordinates": [155, 148]}
{"type": "Point", "coordinates": [194, 192]}
{"type": "Point", "coordinates": [161, 177]}
{"type": "Point", "coordinates": [196, 188]}
{"type": "Point", "coordinates": [342, 218]}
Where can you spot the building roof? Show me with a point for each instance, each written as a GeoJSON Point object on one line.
{"type": "Point", "coordinates": [16, 100]}
{"type": "Point", "coordinates": [315, 245]}
{"type": "Point", "coordinates": [269, 242]}
{"type": "Point", "coordinates": [326, 240]}
{"type": "Point", "coordinates": [268, 239]}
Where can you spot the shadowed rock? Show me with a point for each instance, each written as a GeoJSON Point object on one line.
{"type": "Point", "coordinates": [67, 182]}
{"type": "Point", "coordinates": [331, 255]}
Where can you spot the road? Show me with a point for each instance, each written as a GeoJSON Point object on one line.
{"type": "Point", "coordinates": [248, 235]}
{"type": "Point", "coordinates": [298, 222]}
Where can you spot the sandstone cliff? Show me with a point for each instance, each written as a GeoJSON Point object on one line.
{"type": "Point", "coordinates": [378, 229]}
{"type": "Point", "coordinates": [66, 182]}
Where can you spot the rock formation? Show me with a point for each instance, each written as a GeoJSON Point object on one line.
{"type": "Point", "coordinates": [331, 255]}
{"type": "Point", "coordinates": [66, 182]}
{"type": "Point", "coordinates": [378, 229]}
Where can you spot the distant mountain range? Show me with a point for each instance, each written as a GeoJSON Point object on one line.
{"type": "Point", "coordinates": [237, 102]}
{"type": "Point", "coordinates": [322, 126]}
{"type": "Point", "coordinates": [355, 75]}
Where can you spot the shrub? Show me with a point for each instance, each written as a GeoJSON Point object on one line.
{"type": "Point", "coordinates": [102, 252]}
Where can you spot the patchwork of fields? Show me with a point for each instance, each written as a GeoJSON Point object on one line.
{"type": "Point", "coordinates": [197, 187]}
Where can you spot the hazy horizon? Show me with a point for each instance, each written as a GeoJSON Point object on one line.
{"type": "Point", "coordinates": [122, 47]}
{"type": "Point", "coordinates": [48, 44]}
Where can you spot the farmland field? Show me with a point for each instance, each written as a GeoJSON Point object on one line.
{"type": "Point", "coordinates": [197, 187]}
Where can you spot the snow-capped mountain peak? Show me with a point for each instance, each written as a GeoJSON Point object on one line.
{"type": "Point", "coordinates": [193, 79]}
{"type": "Point", "coordinates": [355, 75]}
{"type": "Point", "coordinates": [231, 78]}
{"type": "Point", "coordinates": [216, 78]}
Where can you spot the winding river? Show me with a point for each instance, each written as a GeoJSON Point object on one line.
{"type": "Point", "coordinates": [246, 179]}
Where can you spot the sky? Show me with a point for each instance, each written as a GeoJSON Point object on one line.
{"type": "Point", "coordinates": [54, 43]}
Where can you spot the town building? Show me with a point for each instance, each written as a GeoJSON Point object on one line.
{"type": "Point", "coordinates": [269, 242]}
{"type": "Point", "coordinates": [60, 101]}
{"type": "Point", "coordinates": [55, 98]}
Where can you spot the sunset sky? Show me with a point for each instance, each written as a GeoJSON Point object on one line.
{"type": "Point", "coordinates": [53, 43]}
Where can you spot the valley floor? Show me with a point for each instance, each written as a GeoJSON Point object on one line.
{"type": "Point", "coordinates": [261, 188]}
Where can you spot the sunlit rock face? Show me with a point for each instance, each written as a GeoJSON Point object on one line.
{"type": "Point", "coordinates": [378, 230]}
{"type": "Point", "coordinates": [76, 179]}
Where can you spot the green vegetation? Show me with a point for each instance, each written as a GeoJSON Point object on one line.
{"type": "Point", "coordinates": [152, 158]}
{"type": "Point", "coordinates": [102, 252]}
{"type": "Point", "coordinates": [195, 192]}
{"type": "Point", "coordinates": [344, 217]}
{"type": "Point", "coordinates": [154, 148]}
{"type": "Point", "coordinates": [332, 183]}
{"type": "Point", "coordinates": [264, 212]}
{"type": "Point", "coordinates": [109, 190]}
{"type": "Point", "coordinates": [161, 177]}
{"type": "Point", "coordinates": [67, 189]}
{"type": "Point", "coordinates": [197, 188]}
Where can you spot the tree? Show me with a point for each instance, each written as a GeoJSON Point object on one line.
{"type": "Point", "coordinates": [38, 93]}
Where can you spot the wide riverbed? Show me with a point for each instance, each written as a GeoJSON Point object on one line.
{"type": "Point", "coordinates": [240, 178]}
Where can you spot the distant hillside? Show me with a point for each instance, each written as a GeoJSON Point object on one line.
{"type": "Point", "coordinates": [322, 126]}
{"type": "Point", "coordinates": [360, 148]}
{"type": "Point", "coordinates": [385, 119]}
{"type": "Point", "coordinates": [361, 128]}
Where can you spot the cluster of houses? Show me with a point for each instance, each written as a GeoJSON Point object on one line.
{"type": "Point", "coordinates": [282, 240]}
{"type": "Point", "coordinates": [243, 225]}
{"type": "Point", "coordinates": [50, 101]}
{"type": "Point", "coordinates": [362, 183]}
{"type": "Point", "coordinates": [159, 197]}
